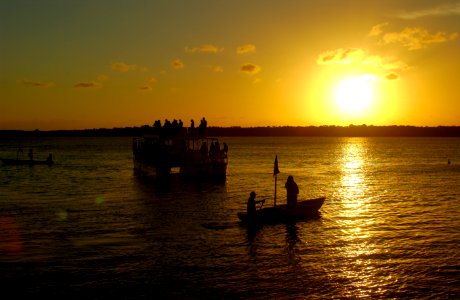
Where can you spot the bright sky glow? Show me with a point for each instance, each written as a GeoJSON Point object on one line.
{"type": "Point", "coordinates": [90, 64]}
{"type": "Point", "coordinates": [354, 95]}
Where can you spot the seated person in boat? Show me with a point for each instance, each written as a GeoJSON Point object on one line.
{"type": "Point", "coordinates": [49, 159]}
{"type": "Point", "coordinates": [292, 191]}
{"type": "Point", "coordinates": [251, 206]}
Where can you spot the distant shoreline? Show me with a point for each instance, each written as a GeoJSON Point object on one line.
{"type": "Point", "coordinates": [267, 131]}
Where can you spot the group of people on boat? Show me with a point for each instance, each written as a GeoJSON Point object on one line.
{"type": "Point", "coordinates": [168, 128]}
{"type": "Point", "coordinates": [176, 127]}
{"type": "Point", "coordinates": [292, 191]}
{"type": "Point", "coordinates": [215, 150]}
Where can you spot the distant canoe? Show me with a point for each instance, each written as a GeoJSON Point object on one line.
{"type": "Point", "coordinates": [280, 214]}
{"type": "Point", "coordinates": [25, 162]}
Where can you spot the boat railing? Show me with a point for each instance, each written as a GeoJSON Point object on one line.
{"type": "Point", "coordinates": [192, 148]}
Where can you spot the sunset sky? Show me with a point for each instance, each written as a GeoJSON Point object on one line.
{"type": "Point", "coordinates": [90, 64]}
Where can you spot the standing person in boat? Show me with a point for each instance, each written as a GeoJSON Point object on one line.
{"type": "Point", "coordinates": [251, 205]}
{"type": "Point", "coordinates": [50, 159]}
{"type": "Point", "coordinates": [292, 191]}
{"type": "Point", "coordinates": [31, 154]}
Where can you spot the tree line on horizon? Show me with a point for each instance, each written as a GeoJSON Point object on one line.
{"type": "Point", "coordinates": [267, 131]}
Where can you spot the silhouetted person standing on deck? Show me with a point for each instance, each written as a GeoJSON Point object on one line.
{"type": "Point", "coordinates": [202, 127]}
{"type": "Point", "coordinates": [292, 191]}
{"type": "Point", "coordinates": [192, 127]}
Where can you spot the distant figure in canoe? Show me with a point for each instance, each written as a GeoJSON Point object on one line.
{"type": "Point", "coordinates": [49, 159]}
{"type": "Point", "coordinates": [251, 209]}
{"type": "Point", "coordinates": [225, 150]}
{"type": "Point", "coordinates": [292, 191]}
{"type": "Point", "coordinates": [31, 154]}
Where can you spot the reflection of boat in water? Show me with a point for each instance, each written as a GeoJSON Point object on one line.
{"type": "Point", "coordinates": [191, 155]}
{"type": "Point", "coordinates": [306, 209]}
{"type": "Point", "coordinates": [27, 162]}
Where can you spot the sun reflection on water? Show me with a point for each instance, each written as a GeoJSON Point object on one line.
{"type": "Point", "coordinates": [355, 247]}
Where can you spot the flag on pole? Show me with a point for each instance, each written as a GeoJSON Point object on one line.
{"type": "Point", "coordinates": [275, 169]}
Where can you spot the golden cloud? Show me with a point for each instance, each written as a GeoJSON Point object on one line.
{"type": "Point", "coordinates": [377, 29]}
{"type": "Point", "coordinates": [247, 48]}
{"type": "Point", "coordinates": [102, 78]}
{"type": "Point", "coordinates": [217, 69]}
{"type": "Point", "coordinates": [122, 67]}
{"type": "Point", "coordinates": [250, 68]}
{"type": "Point", "coordinates": [359, 56]}
{"type": "Point", "coordinates": [342, 56]}
{"type": "Point", "coordinates": [177, 64]}
{"type": "Point", "coordinates": [415, 38]}
{"type": "Point", "coordinates": [207, 48]}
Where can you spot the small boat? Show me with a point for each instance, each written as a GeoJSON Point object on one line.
{"type": "Point", "coordinates": [27, 162]}
{"type": "Point", "coordinates": [306, 209]}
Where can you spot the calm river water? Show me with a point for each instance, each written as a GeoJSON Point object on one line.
{"type": "Point", "coordinates": [89, 228]}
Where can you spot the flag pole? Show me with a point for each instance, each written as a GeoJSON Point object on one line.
{"type": "Point", "coordinates": [274, 204]}
{"type": "Point", "coordinates": [275, 172]}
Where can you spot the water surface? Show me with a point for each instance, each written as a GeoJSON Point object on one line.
{"type": "Point", "coordinates": [90, 227]}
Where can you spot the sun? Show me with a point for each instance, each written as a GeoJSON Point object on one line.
{"type": "Point", "coordinates": [354, 95]}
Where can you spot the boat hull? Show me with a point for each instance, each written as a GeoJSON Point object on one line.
{"type": "Point", "coordinates": [23, 162]}
{"type": "Point", "coordinates": [157, 156]}
{"type": "Point", "coordinates": [305, 209]}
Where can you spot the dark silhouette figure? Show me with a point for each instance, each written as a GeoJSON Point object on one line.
{"type": "Point", "coordinates": [192, 127]}
{"type": "Point", "coordinates": [31, 154]}
{"type": "Point", "coordinates": [157, 127]}
{"type": "Point", "coordinates": [19, 151]}
{"type": "Point", "coordinates": [202, 127]}
{"type": "Point", "coordinates": [204, 150]}
{"type": "Point", "coordinates": [225, 148]}
{"type": "Point", "coordinates": [448, 161]}
{"type": "Point", "coordinates": [212, 150]}
{"type": "Point", "coordinates": [217, 147]}
{"type": "Point", "coordinates": [49, 159]}
{"type": "Point", "coordinates": [251, 206]}
{"type": "Point", "coordinates": [292, 191]}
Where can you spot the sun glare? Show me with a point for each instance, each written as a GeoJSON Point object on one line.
{"type": "Point", "coordinates": [354, 95]}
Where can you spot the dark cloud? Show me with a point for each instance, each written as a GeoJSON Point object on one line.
{"type": "Point", "coordinates": [37, 83]}
{"type": "Point", "coordinates": [91, 84]}
{"type": "Point", "coordinates": [145, 88]}
{"type": "Point", "coordinates": [250, 68]}
{"type": "Point", "coordinates": [452, 9]}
